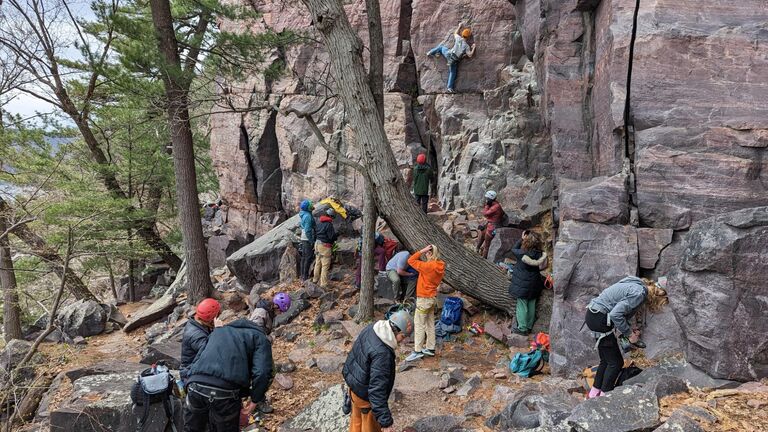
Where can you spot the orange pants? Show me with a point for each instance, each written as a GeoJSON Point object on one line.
{"type": "Point", "coordinates": [363, 419]}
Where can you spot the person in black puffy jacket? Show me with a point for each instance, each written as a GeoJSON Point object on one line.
{"type": "Point", "coordinates": [236, 362]}
{"type": "Point", "coordinates": [196, 332]}
{"type": "Point", "coordinates": [527, 282]}
{"type": "Point", "coordinates": [369, 371]}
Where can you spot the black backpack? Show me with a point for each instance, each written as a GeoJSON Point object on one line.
{"type": "Point", "coordinates": [154, 385]}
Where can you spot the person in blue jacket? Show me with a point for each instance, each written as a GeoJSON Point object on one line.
{"type": "Point", "coordinates": [307, 238]}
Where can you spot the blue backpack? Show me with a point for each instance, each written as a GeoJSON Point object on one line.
{"type": "Point", "coordinates": [529, 364]}
{"type": "Point", "coordinates": [452, 311]}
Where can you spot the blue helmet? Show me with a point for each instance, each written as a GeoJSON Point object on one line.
{"type": "Point", "coordinates": [306, 205]}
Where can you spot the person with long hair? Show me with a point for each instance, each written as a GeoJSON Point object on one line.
{"type": "Point", "coordinates": [610, 312]}
{"type": "Point", "coordinates": [431, 273]}
{"type": "Point", "coordinates": [527, 282]}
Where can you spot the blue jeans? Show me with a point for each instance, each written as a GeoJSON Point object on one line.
{"type": "Point", "coordinates": [452, 68]}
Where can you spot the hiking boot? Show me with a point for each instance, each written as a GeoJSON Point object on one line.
{"type": "Point", "coordinates": [265, 407]}
{"type": "Point", "coordinates": [414, 356]}
{"type": "Point", "coordinates": [428, 352]}
{"type": "Point", "coordinates": [516, 330]}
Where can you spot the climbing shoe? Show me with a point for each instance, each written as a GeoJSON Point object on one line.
{"type": "Point", "coordinates": [428, 352]}
{"type": "Point", "coordinates": [450, 90]}
{"type": "Point", "coordinates": [414, 356]}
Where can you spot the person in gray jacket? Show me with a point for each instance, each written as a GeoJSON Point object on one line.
{"type": "Point", "coordinates": [610, 312]}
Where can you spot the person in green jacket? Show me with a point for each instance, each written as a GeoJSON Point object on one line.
{"type": "Point", "coordinates": [422, 174]}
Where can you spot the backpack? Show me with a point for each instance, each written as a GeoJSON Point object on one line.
{"type": "Point", "coordinates": [154, 385]}
{"type": "Point", "coordinates": [451, 314]}
{"type": "Point", "coordinates": [528, 364]}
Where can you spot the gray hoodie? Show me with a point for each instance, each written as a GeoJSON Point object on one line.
{"type": "Point", "coordinates": [620, 301]}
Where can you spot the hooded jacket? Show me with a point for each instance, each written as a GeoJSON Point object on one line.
{"type": "Point", "coordinates": [620, 301]}
{"type": "Point", "coordinates": [307, 223]}
{"type": "Point", "coordinates": [527, 282]}
{"type": "Point", "coordinates": [430, 275]}
{"type": "Point", "coordinates": [238, 356]}
{"type": "Point", "coordinates": [421, 176]}
{"type": "Point", "coordinates": [193, 340]}
{"type": "Point", "coordinates": [325, 231]}
{"type": "Point", "coordinates": [369, 370]}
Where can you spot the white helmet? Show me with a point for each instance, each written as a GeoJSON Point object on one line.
{"type": "Point", "coordinates": [491, 195]}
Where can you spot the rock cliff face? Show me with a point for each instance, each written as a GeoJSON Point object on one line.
{"type": "Point", "coordinates": [539, 117]}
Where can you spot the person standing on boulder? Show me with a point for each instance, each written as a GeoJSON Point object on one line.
{"type": "Point", "coordinates": [610, 312]}
{"type": "Point", "coordinates": [454, 55]}
{"type": "Point", "coordinates": [494, 215]}
{"type": "Point", "coordinates": [431, 274]}
{"type": "Point", "coordinates": [369, 371]}
{"type": "Point", "coordinates": [422, 174]}
{"type": "Point", "coordinates": [307, 238]}
{"type": "Point", "coordinates": [326, 237]}
{"type": "Point", "coordinates": [236, 361]}
{"type": "Point", "coordinates": [527, 282]}
{"type": "Point", "coordinates": [196, 332]}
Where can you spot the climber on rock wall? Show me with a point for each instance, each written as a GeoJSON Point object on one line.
{"type": "Point", "coordinates": [493, 214]}
{"type": "Point", "coordinates": [453, 56]}
{"type": "Point", "coordinates": [422, 173]}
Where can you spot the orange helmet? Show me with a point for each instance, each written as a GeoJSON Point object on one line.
{"type": "Point", "coordinates": [466, 33]}
{"type": "Point", "coordinates": [208, 309]}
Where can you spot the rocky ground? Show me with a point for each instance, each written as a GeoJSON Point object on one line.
{"type": "Point", "coordinates": [466, 387]}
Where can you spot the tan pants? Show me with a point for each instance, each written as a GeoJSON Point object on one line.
{"type": "Point", "coordinates": [323, 256]}
{"type": "Point", "coordinates": [424, 323]}
{"type": "Point", "coordinates": [362, 419]}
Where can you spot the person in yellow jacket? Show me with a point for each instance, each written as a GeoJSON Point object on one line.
{"type": "Point", "coordinates": [431, 271]}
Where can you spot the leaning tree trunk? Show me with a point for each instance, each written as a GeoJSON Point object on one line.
{"type": "Point", "coordinates": [11, 311]}
{"type": "Point", "coordinates": [51, 258]}
{"type": "Point", "coordinates": [183, 153]}
{"type": "Point", "coordinates": [365, 306]}
{"type": "Point", "coordinates": [370, 213]}
{"type": "Point", "coordinates": [465, 270]}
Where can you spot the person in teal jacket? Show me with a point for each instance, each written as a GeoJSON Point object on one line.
{"type": "Point", "coordinates": [307, 238]}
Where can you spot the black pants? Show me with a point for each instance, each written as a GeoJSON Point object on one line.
{"type": "Point", "coordinates": [611, 360]}
{"type": "Point", "coordinates": [423, 201]}
{"type": "Point", "coordinates": [201, 414]}
{"type": "Point", "coordinates": [307, 258]}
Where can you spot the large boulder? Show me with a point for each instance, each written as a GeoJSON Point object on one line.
{"type": "Point", "coordinates": [600, 200]}
{"type": "Point", "coordinates": [260, 260]}
{"type": "Point", "coordinates": [682, 370]}
{"type": "Point", "coordinates": [167, 349]}
{"type": "Point", "coordinates": [718, 295]}
{"type": "Point", "coordinates": [587, 259]}
{"type": "Point", "coordinates": [102, 402]}
{"type": "Point", "coordinates": [322, 415]}
{"type": "Point", "coordinates": [532, 408]}
{"type": "Point", "coordinates": [219, 248]}
{"type": "Point", "coordinates": [82, 318]}
{"type": "Point", "coordinates": [503, 242]}
{"type": "Point", "coordinates": [625, 409]}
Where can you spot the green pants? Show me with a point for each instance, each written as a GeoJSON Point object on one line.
{"type": "Point", "coordinates": [526, 314]}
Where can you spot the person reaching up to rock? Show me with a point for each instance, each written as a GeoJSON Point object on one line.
{"type": "Point", "coordinates": [326, 237]}
{"type": "Point", "coordinates": [422, 174]}
{"type": "Point", "coordinates": [369, 371]}
{"type": "Point", "coordinates": [237, 360]}
{"type": "Point", "coordinates": [196, 333]}
{"type": "Point", "coordinates": [431, 274]}
{"type": "Point", "coordinates": [610, 312]}
{"type": "Point", "coordinates": [494, 215]}
{"type": "Point", "coordinates": [527, 282]}
{"type": "Point", "coordinates": [454, 55]}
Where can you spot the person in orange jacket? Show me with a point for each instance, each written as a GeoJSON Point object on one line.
{"type": "Point", "coordinates": [431, 273]}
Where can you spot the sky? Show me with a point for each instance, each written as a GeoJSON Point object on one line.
{"type": "Point", "coordinates": [26, 105]}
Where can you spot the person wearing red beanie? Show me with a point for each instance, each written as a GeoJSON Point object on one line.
{"type": "Point", "coordinates": [196, 332]}
{"type": "Point", "coordinates": [422, 174]}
